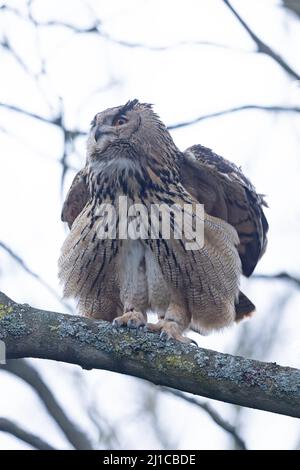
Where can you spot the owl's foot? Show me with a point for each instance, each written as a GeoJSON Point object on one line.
{"type": "Point", "coordinates": [169, 330]}
{"type": "Point", "coordinates": [131, 319]}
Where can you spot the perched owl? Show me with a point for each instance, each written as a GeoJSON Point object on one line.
{"type": "Point", "coordinates": [132, 157]}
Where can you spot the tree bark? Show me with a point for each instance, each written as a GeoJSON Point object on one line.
{"type": "Point", "coordinates": [31, 332]}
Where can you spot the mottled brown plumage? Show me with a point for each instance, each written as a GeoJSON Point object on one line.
{"type": "Point", "coordinates": [130, 153]}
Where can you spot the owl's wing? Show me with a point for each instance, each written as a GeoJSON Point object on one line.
{"type": "Point", "coordinates": [227, 194]}
{"type": "Point", "coordinates": [76, 198]}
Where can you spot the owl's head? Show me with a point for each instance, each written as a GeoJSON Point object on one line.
{"type": "Point", "coordinates": [134, 124]}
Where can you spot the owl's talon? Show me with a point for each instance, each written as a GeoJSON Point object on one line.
{"type": "Point", "coordinates": [164, 336]}
{"type": "Point", "coordinates": [134, 324]}
{"type": "Point", "coordinates": [169, 331]}
{"type": "Point", "coordinates": [132, 320]}
{"type": "Point", "coordinates": [115, 324]}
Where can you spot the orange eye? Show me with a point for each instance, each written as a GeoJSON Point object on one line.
{"type": "Point", "coordinates": [120, 121]}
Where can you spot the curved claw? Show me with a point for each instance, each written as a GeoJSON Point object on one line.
{"type": "Point", "coordinates": [115, 324]}
{"type": "Point", "coordinates": [131, 324]}
{"type": "Point", "coordinates": [164, 336]}
{"type": "Point", "coordinates": [169, 330]}
{"type": "Point", "coordinates": [132, 320]}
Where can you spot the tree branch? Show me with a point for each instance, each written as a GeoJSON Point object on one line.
{"type": "Point", "coordinates": [245, 107]}
{"type": "Point", "coordinates": [283, 276]}
{"type": "Point", "coordinates": [262, 47]}
{"type": "Point", "coordinates": [72, 134]}
{"type": "Point", "coordinates": [293, 6]}
{"type": "Point", "coordinates": [36, 276]}
{"type": "Point", "coordinates": [30, 332]}
{"type": "Point", "coordinates": [240, 443]}
{"type": "Point", "coordinates": [12, 428]}
{"type": "Point", "coordinates": [97, 28]}
{"type": "Point", "coordinates": [55, 121]}
{"type": "Point", "coordinates": [24, 371]}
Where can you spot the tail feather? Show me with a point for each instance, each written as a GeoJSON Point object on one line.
{"type": "Point", "coordinates": [243, 307]}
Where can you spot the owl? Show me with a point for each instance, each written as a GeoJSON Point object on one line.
{"type": "Point", "coordinates": [190, 274]}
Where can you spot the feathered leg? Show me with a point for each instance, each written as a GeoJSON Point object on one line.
{"type": "Point", "coordinates": [174, 323]}
{"type": "Point", "coordinates": [133, 287]}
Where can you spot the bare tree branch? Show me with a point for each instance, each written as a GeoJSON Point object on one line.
{"type": "Point", "coordinates": [68, 135]}
{"type": "Point", "coordinates": [97, 28]}
{"type": "Point", "coordinates": [29, 332]}
{"type": "Point", "coordinates": [5, 44]}
{"type": "Point", "coordinates": [245, 107]}
{"type": "Point", "coordinates": [240, 443]}
{"type": "Point", "coordinates": [55, 121]}
{"type": "Point", "coordinates": [36, 276]}
{"type": "Point", "coordinates": [138, 45]}
{"type": "Point", "coordinates": [10, 427]}
{"type": "Point", "coordinates": [262, 47]}
{"type": "Point", "coordinates": [71, 134]}
{"type": "Point", "coordinates": [279, 276]}
{"type": "Point", "coordinates": [293, 6]}
{"type": "Point", "coordinates": [26, 372]}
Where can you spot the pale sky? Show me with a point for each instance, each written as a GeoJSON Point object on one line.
{"type": "Point", "coordinates": [88, 73]}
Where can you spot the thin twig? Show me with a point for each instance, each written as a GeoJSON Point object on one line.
{"type": "Point", "coordinates": [36, 276]}
{"type": "Point", "coordinates": [262, 47]}
{"type": "Point", "coordinates": [245, 107]}
{"type": "Point", "coordinates": [5, 44]}
{"type": "Point", "coordinates": [8, 426]}
{"type": "Point", "coordinates": [29, 374]}
{"type": "Point", "coordinates": [68, 135]}
{"type": "Point", "coordinates": [97, 28]}
{"type": "Point", "coordinates": [283, 276]}
{"type": "Point", "coordinates": [55, 121]}
{"type": "Point", "coordinates": [71, 134]}
{"type": "Point", "coordinates": [240, 443]}
{"type": "Point", "coordinates": [139, 45]}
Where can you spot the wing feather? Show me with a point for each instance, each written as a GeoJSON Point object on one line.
{"type": "Point", "coordinates": [76, 198]}
{"type": "Point", "coordinates": [226, 193]}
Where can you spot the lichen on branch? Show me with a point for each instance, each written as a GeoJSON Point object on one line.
{"type": "Point", "coordinates": [30, 332]}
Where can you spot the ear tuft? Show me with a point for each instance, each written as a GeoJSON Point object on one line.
{"type": "Point", "coordinates": [129, 105]}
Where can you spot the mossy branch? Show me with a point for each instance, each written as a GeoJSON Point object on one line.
{"type": "Point", "coordinates": [30, 332]}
